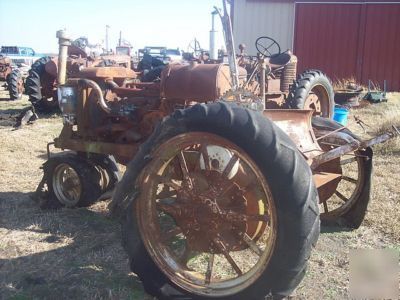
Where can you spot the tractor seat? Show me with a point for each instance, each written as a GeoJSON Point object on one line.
{"type": "Point", "coordinates": [106, 72]}
{"type": "Point", "coordinates": [280, 60]}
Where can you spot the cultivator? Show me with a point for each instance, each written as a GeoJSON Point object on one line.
{"type": "Point", "coordinates": [212, 176]}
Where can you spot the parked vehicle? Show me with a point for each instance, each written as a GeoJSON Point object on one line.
{"type": "Point", "coordinates": [220, 198]}
{"type": "Point", "coordinates": [40, 84]}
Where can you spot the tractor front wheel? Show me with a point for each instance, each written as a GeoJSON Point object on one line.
{"type": "Point", "coordinates": [313, 90]}
{"type": "Point", "coordinates": [222, 206]}
{"type": "Point", "coordinates": [15, 85]}
{"type": "Point", "coordinates": [71, 181]}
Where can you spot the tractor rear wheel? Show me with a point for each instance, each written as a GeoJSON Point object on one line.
{"type": "Point", "coordinates": [221, 206]}
{"type": "Point", "coordinates": [39, 86]}
{"type": "Point", "coordinates": [313, 90]}
{"type": "Point", "coordinates": [72, 181]}
{"type": "Point", "coordinates": [15, 85]}
{"type": "Point", "coordinates": [348, 204]}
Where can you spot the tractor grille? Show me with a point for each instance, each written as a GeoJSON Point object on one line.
{"type": "Point", "coordinates": [289, 74]}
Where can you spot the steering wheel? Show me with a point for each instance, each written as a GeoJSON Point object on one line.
{"type": "Point", "coordinates": [267, 46]}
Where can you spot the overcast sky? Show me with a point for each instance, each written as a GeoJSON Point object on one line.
{"type": "Point", "coordinates": [171, 23]}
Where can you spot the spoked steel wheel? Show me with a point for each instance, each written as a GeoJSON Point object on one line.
{"type": "Point", "coordinates": [206, 215]}
{"type": "Point", "coordinates": [220, 206]}
{"type": "Point", "coordinates": [348, 189]}
{"type": "Point", "coordinates": [67, 185]}
{"type": "Point", "coordinates": [344, 200]}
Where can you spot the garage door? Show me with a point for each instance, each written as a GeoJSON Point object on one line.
{"type": "Point", "coordinates": [350, 40]}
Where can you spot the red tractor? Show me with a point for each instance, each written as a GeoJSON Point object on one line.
{"type": "Point", "coordinates": [221, 197]}
{"type": "Point", "coordinates": [12, 77]}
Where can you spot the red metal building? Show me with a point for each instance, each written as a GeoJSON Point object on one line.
{"type": "Point", "coordinates": [345, 39]}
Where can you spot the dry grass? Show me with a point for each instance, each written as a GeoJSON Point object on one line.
{"type": "Point", "coordinates": [76, 254]}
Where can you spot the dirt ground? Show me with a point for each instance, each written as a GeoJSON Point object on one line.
{"type": "Point", "coordinates": [77, 254]}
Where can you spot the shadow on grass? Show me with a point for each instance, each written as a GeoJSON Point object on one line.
{"type": "Point", "coordinates": [66, 254]}
{"type": "Point", "coordinates": [334, 228]}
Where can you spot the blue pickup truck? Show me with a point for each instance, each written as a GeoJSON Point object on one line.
{"type": "Point", "coordinates": [15, 63]}
{"type": "Point", "coordinates": [20, 55]}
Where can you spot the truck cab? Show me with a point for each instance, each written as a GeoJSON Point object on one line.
{"type": "Point", "coordinates": [19, 56]}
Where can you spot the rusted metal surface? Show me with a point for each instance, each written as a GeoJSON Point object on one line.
{"type": "Point", "coordinates": [5, 68]}
{"type": "Point", "coordinates": [196, 82]}
{"type": "Point", "coordinates": [297, 125]}
{"type": "Point", "coordinates": [203, 181]}
{"type": "Point", "coordinates": [289, 74]}
{"type": "Point", "coordinates": [106, 72]}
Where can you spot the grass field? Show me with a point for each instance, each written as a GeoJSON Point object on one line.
{"type": "Point", "coordinates": [77, 254]}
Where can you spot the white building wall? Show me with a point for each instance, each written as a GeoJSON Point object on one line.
{"type": "Point", "coordinates": [253, 19]}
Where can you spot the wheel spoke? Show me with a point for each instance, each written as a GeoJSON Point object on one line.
{"type": "Point", "coordinates": [349, 179]}
{"type": "Point", "coordinates": [167, 181]}
{"type": "Point", "coordinates": [253, 246]}
{"type": "Point", "coordinates": [326, 210]}
{"type": "Point", "coordinates": [341, 196]}
{"type": "Point", "coordinates": [221, 247]}
{"type": "Point", "coordinates": [209, 268]}
{"type": "Point", "coordinates": [166, 194]}
{"type": "Point", "coordinates": [184, 168]}
{"type": "Point", "coordinates": [172, 210]}
{"type": "Point", "coordinates": [348, 160]}
{"type": "Point", "coordinates": [230, 165]}
{"type": "Point", "coordinates": [168, 235]}
{"type": "Point", "coordinates": [233, 216]}
{"type": "Point", "coordinates": [206, 158]}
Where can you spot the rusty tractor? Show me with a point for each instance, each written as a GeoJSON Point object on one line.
{"type": "Point", "coordinates": [221, 197]}
{"type": "Point", "coordinates": [310, 90]}
{"type": "Point", "coordinates": [12, 77]}
{"type": "Point", "coordinates": [41, 82]}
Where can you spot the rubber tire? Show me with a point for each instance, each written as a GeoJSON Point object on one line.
{"type": "Point", "coordinates": [291, 182]}
{"type": "Point", "coordinates": [109, 164]}
{"type": "Point", "coordinates": [354, 217]}
{"type": "Point", "coordinates": [12, 84]}
{"type": "Point", "coordinates": [33, 87]}
{"type": "Point", "coordinates": [88, 175]}
{"type": "Point", "coordinates": [304, 84]}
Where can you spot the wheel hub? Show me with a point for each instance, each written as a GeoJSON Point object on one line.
{"type": "Point", "coordinates": [210, 212]}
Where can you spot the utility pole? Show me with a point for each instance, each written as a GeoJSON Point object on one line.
{"type": "Point", "coordinates": [107, 49]}
{"type": "Point", "coordinates": [120, 38]}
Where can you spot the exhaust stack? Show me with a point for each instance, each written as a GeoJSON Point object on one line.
{"type": "Point", "coordinates": [64, 41]}
{"type": "Point", "coordinates": [213, 34]}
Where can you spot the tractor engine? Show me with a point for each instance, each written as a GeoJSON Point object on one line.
{"type": "Point", "coordinates": [112, 105]}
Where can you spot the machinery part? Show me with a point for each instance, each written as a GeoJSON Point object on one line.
{"type": "Point", "coordinates": [92, 84]}
{"type": "Point", "coordinates": [195, 82]}
{"type": "Point", "coordinates": [37, 87]}
{"type": "Point", "coordinates": [266, 46]}
{"type": "Point", "coordinates": [289, 74]}
{"type": "Point", "coordinates": [71, 181]}
{"type": "Point", "coordinates": [247, 99]}
{"type": "Point", "coordinates": [15, 85]}
{"type": "Point", "coordinates": [289, 213]}
{"type": "Point", "coordinates": [349, 201]}
{"type": "Point", "coordinates": [64, 41]}
{"type": "Point", "coordinates": [313, 90]}
{"type": "Point", "coordinates": [229, 43]}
